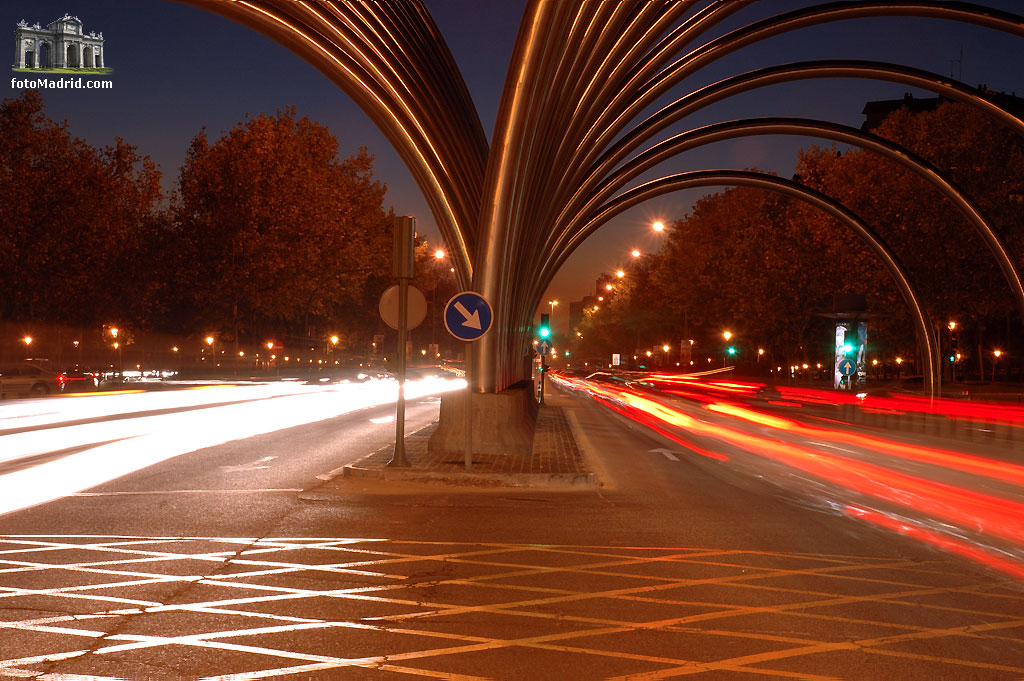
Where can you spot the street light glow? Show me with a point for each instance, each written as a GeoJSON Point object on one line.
{"type": "Point", "coordinates": [114, 331]}
{"type": "Point", "coordinates": [209, 339]}
{"type": "Point", "coordinates": [620, 274]}
{"type": "Point", "coordinates": [952, 325]}
{"type": "Point", "coordinates": [439, 254]}
{"type": "Point", "coordinates": [27, 340]}
{"type": "Point", "coordinates": [607, 287]}
{"type": "Point", "coordinates": [334, 340]}
{"type": "Point", "coordinates": [664, 348]}
{"type": "Point", "coordinates": [635, 253]}
{"type": "Point", "coordinates": [727, 335]}
{"type": "Point", "coordinates": [658, 226]}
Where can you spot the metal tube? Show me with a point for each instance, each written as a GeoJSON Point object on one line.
{"type": "Point", "coordinates": [399, 459]}
{"type": "Point", "coordinates": [682, 181]}
{"type": "Point", "coordinates": [793, 126]}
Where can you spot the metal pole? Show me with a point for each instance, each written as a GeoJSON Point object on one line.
{"type": "Point", "coordinates": [399, 458]}
{"type": "Point", "coordinates": [543, 370]}
{"type": "Point", "coordinates": [403, 271]}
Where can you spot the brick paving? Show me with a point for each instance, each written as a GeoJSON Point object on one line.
{"type": "Point", "coordinates": [556, 458]}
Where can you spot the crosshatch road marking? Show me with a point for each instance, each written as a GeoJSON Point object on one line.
{"type": "Point", "coordinates": [280, 607]}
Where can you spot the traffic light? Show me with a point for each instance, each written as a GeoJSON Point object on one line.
{"type": "Point", "coordinates": [732, 350]}
{"type": "Point", "coordinates": [847, 348]}
{"type": "Point", "coordinates": [545, 327]}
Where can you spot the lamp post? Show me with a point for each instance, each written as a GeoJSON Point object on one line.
{"type": "Point", "coordinates": [658, 226]}
{"type": "Point", "coordinates": [114, 333]}
{"type": "Point", "coordinates": [434, 349]}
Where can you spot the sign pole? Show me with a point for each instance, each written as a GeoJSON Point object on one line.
{"type": "Point", "coordinates": [468, 316]}
{"type": "Point", "coordinates": [403, 270]}
{"type": "Point", "coordinates": [543, 370]}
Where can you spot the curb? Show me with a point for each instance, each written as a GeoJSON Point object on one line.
{"type": "Point", "coordinates": [472, 479]}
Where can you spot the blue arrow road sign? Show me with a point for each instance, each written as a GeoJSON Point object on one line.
{"type": "Point", "coordinates": [467, 316]}
{"type": "Point", "coordinates": [543, 347]}
{"type": "Point", "coordinates": [847, 367]}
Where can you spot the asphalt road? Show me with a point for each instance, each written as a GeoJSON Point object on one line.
{"type": "Point", "coordinates": [211, 565]}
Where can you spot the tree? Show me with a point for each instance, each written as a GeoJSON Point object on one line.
{"type": "Point", "coordinates": [278, 236]}
{"type": "Point", "coordinates": [69, 218]}
{"type": "Point", "coordinates": [953, 270]}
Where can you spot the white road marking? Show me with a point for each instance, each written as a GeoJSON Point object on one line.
{"type": "Point", "coordinates": [181, 491]}
{"type": "Point", "coordinates": [667, 452]}
{"type": "Point", "coordinates": [251, 466]}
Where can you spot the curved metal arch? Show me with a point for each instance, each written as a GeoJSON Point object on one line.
{"type": "Point", "coordinates": [705, 178]}
{"type": "Point", "coordinates": [620, 112]}
{"type": "Point", "coordinates": [437, 132]}
{"type": "Point", "coordinates": [772, 75]}
{"type": "Point", "coordinates": [654, 51]}
{"type": "Point", "coordinates": [797, 126]}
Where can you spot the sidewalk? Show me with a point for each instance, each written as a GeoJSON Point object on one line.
{"type": "Point", "coordinates": [556, 459]}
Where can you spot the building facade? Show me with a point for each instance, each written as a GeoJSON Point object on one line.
{"type": "Point", "coordinates": [62, 44]}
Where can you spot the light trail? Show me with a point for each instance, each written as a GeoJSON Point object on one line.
{"type": "Point", "coordinates": [964, 503]}
{"type": "Point", "coordinates": [199, 418]}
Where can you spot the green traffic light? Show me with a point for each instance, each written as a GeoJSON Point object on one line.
{"type": "Point", "coordinates": [545, 332]}
{"type": "Point", "coordinates": [847, 348]}
{"type": "Point", "coordinates": [732, 350]}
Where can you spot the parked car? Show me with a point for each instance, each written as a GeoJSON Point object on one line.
{"type": "Point", "coordinates": [79, 380]}
{"type": "Point", "coordinates": [19, 380]}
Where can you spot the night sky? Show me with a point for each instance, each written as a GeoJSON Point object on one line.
{"type": "Point", "coordinates": [177, 69]}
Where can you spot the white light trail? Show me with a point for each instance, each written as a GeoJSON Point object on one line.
{"type": "Point", "coordinates": [135, 443]}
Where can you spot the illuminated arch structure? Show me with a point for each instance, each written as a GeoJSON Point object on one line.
{"type": "Point", "coordinates": [581, 73]}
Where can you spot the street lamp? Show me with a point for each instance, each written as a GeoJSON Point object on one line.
{"type": "Point", "coordinates": [635, 253]}
{"type": "Point", "coordinates": [658, 226]}
{"type": "Point", "coordinates": [439, 254]}
{"type": "Point", "coordinates": [27, 340]}
{"type": "Point", "coordinates": [727, 335]}
{"type": "Point", "coordinates": [553, 304]}
{"type": "Point", "coordinates": [620, 274]}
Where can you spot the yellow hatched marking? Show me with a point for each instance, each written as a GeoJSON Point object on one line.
{"type": "Point", "coordinates": [377, 558]}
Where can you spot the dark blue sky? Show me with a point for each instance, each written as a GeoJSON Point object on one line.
{"type": "Point", "coordinates": [178, 69]}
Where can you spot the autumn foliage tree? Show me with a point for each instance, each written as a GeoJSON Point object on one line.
{"type": "Point", "coordinates": [765, 267]}
{"type": "Point", "coordinates": [276, 236]}
{"type": "Point", "coordinates": [70, 217]}
{"type": "Point", "coordinates": [947, 260]}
